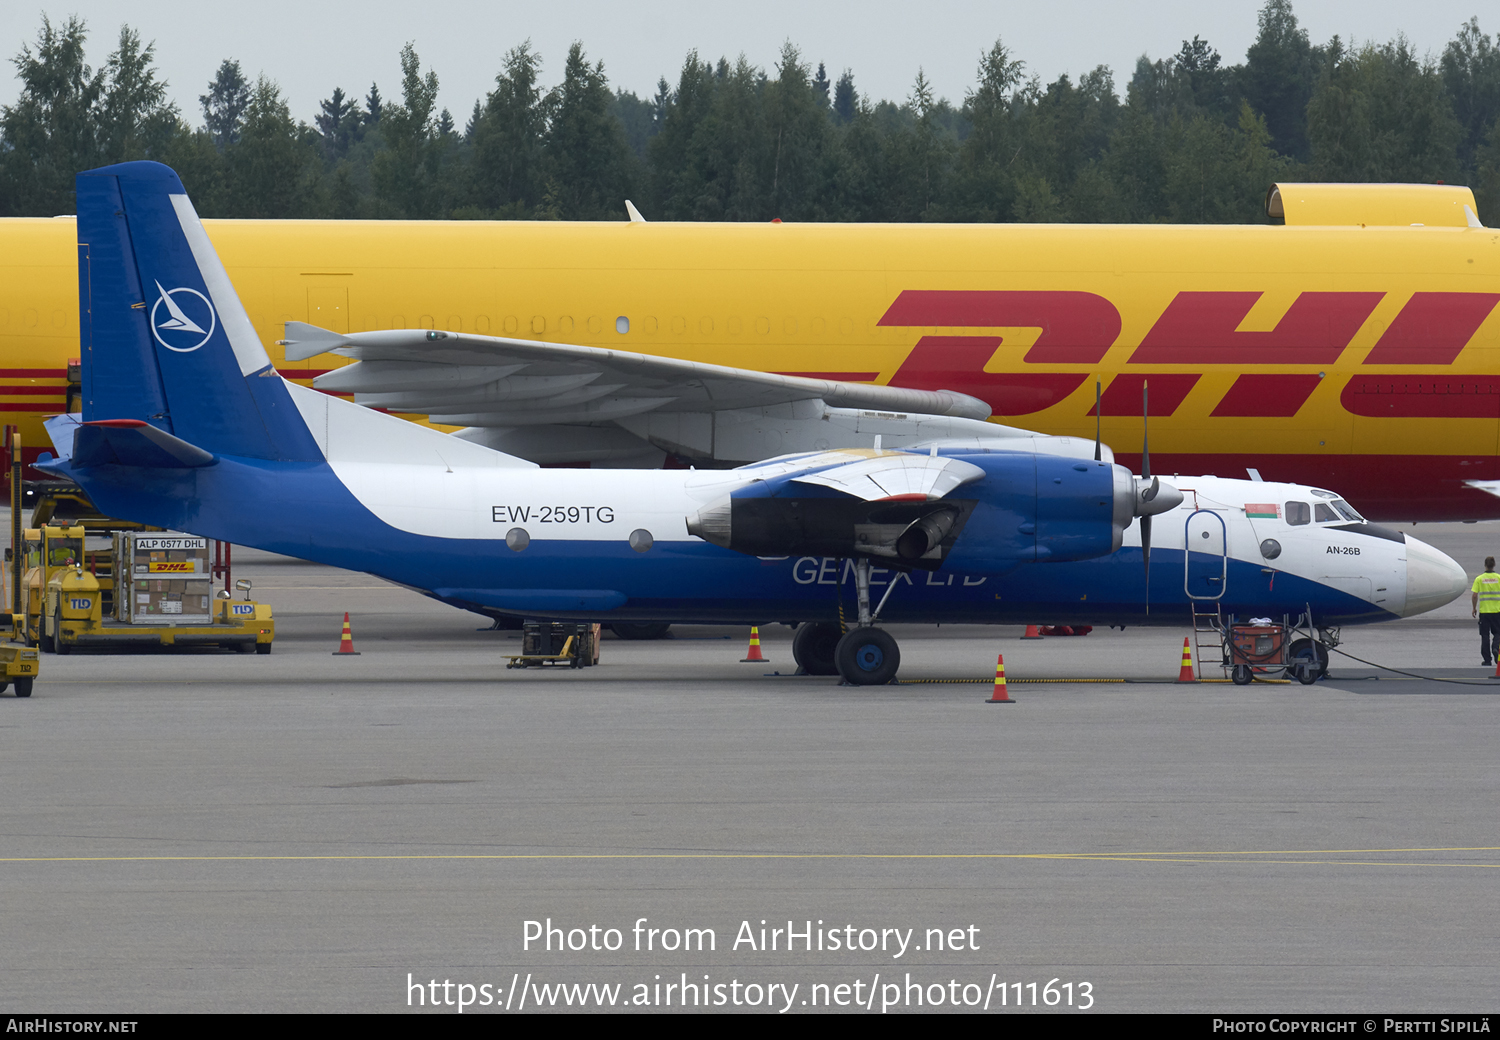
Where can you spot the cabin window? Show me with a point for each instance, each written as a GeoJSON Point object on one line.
{"type": "Point", "coordinates": [1298, 513]}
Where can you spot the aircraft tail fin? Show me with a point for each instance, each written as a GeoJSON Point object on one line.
{"type": "Point", "coordinates": [165, 339]}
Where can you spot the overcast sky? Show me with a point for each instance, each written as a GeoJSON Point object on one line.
{"type": "Point", "coordinates": [309, 48]}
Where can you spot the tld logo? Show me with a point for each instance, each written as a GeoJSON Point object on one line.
{"type": "Point", "coordinates": [185, 317]}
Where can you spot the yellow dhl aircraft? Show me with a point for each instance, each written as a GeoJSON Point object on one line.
{"type": "Point", "coordinates": [1356, 347]}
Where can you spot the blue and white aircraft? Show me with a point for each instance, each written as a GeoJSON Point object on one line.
{"type": "Point", "coordinates": [187, 425]}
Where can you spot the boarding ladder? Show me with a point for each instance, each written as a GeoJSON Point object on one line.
{"type": "Point", "coordinates": [1210, 623]}
{"type": "Point", "coordinates": [1207, 621]}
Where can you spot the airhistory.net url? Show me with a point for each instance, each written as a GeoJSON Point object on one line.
{"type": "Point", "coordinates": [858, 994]}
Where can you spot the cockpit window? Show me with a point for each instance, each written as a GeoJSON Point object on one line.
{"type": "Point", "coordinates": [1324, 513]}
{"type": "Point", "coordinates": [1347, 510]}
{"type": "Point", "coordinates": [1298, 513]}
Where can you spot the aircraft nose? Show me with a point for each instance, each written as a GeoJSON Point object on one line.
{"type": "Point", "coordinates": [1433, 578]}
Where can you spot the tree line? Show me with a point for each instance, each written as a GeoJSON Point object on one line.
{"type": "Point", "coordinates": [1193, 140]}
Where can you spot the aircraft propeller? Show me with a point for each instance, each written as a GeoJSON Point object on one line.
{"type": "Point", "coordinates": [1149, 494]}
{"type": "Point", "coordinates": [1098, 412]}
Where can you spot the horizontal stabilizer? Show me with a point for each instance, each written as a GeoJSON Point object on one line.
{"type": "Point", "coordinates": [131, 442]}
{"type": "Point", "coordinates": [304, 341]}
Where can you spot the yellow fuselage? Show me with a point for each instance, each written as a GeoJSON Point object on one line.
{"type": "Point", "coordinates": [1362, 358]}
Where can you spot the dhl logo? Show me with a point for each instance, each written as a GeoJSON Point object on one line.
{"type": "Point", "coordinates": [1199, 328]}
{"type": "Point", "coordinates": [172, 567]}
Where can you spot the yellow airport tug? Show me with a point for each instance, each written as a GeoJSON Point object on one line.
{"type": "Point", "coordinates": [144, 588]}
{"type": "Point", "coordinates": [20, 660]}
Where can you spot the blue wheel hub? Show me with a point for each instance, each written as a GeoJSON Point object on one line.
{"type": "Point", "coordinates": [869, 657]}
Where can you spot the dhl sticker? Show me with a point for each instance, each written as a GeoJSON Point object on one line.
{"type": "Point", "coordinates": [172, 567]}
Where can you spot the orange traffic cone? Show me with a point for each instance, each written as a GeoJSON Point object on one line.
{"type": "Point", "coordinates": [756, 657]}
{"type": "Point", "coordinates": [346, 641]}
{"type": "Point", "coordinates": [1032, 633]}
{"type": "Point", "coordinates": [1000, 696]}
{"type": "Point", "coordinates": [1185, 673]}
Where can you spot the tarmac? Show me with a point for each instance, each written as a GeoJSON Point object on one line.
{"type": "Point", "coordinates": [304, 832]}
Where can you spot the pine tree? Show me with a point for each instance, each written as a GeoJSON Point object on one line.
{"type": "Point", "coordinates": [589, 165]}
{"type": "Point", "coordinates": [270, 165]}
{"type": "Point", "coordinates": [374, 105]}
{"type": "Point", "coordinates": [845, 101]}
{"type": "Point", "coordinates": [821, 85]}
{"type": "Point", "coordinates": [225, 103]}
{"type": "Point", "coordinates": [339, 120]}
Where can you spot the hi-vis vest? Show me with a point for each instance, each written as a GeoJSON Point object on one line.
{"type": "Point", "coordinates": [1488, 587]}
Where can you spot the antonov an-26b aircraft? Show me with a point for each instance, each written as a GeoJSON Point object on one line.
{"type": "Point", "coordinates": [188, 425]}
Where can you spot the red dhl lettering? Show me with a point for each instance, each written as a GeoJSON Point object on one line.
{"type": "Point", "coordinates": [954, 362]}
{"type": "Point", "coordinates": [1202, 328]}
{"type": "Point", "coordinates": [1267, 395]}
{"type": "Point", "coordinates": [172, 566]}
{"type": "Point", "coordinates": [1432, 328]}
{"type": "Point", "coordinates": [1077, 327]}
{"type": "Point", "coordinates": [1123, 395]}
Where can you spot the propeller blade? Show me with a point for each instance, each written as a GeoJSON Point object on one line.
{"type": "Point", "coordinates": [1149, 493]}
{"type": "Point", "coordinates": [1098, 400]}
{"type": "Point", "coordinates": [1145, 420]}
{"type": "Point", "coordinates": [1146, 556]}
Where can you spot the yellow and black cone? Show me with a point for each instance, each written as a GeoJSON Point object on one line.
{"type": "Point", "coordinates": [346, 641]}
{"type": "Point", "coordinates": [1000, 696]}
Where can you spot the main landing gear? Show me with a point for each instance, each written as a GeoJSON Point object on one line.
{"type": "Point", "coordinates": [863, 656]}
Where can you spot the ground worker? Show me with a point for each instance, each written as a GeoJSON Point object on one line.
{"type": "Point", "coordinates": [1486, 603]}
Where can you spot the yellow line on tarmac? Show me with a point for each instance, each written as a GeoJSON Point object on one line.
{"type": "Point", "coordinates": [1124, 857]}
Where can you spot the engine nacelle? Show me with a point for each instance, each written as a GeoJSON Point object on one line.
{"type": "Point", "coordinates": [1023, 508]}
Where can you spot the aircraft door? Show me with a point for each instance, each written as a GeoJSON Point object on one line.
{"type": "Point", "coordinates": [1205, 560]}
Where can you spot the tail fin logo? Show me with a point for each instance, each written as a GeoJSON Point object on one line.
{"type": "Point", "coordinates": [187, 335]}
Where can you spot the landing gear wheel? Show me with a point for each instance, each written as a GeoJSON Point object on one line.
{"type": "Point", "coordinates": [1313, 653]}
{"type": "Point", "coordinates": [815, 647]}
{"type": "Point", "coordinates": [23, 686]}
{"type": "Point", "coordinates": [867, 657]}
{"type": "Point", "coordinates": [1241, 675]}
{"type": "Point", "coordinates": [640, 630]}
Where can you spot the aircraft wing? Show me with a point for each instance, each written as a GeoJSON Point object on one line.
{"type": "Point", "coordinates": [560, 402]}
{"type": "Point", "coordinates": [529, 381]}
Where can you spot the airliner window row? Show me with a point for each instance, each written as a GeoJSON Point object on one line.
{"type": "Point", "coordinates": [541, 325]}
